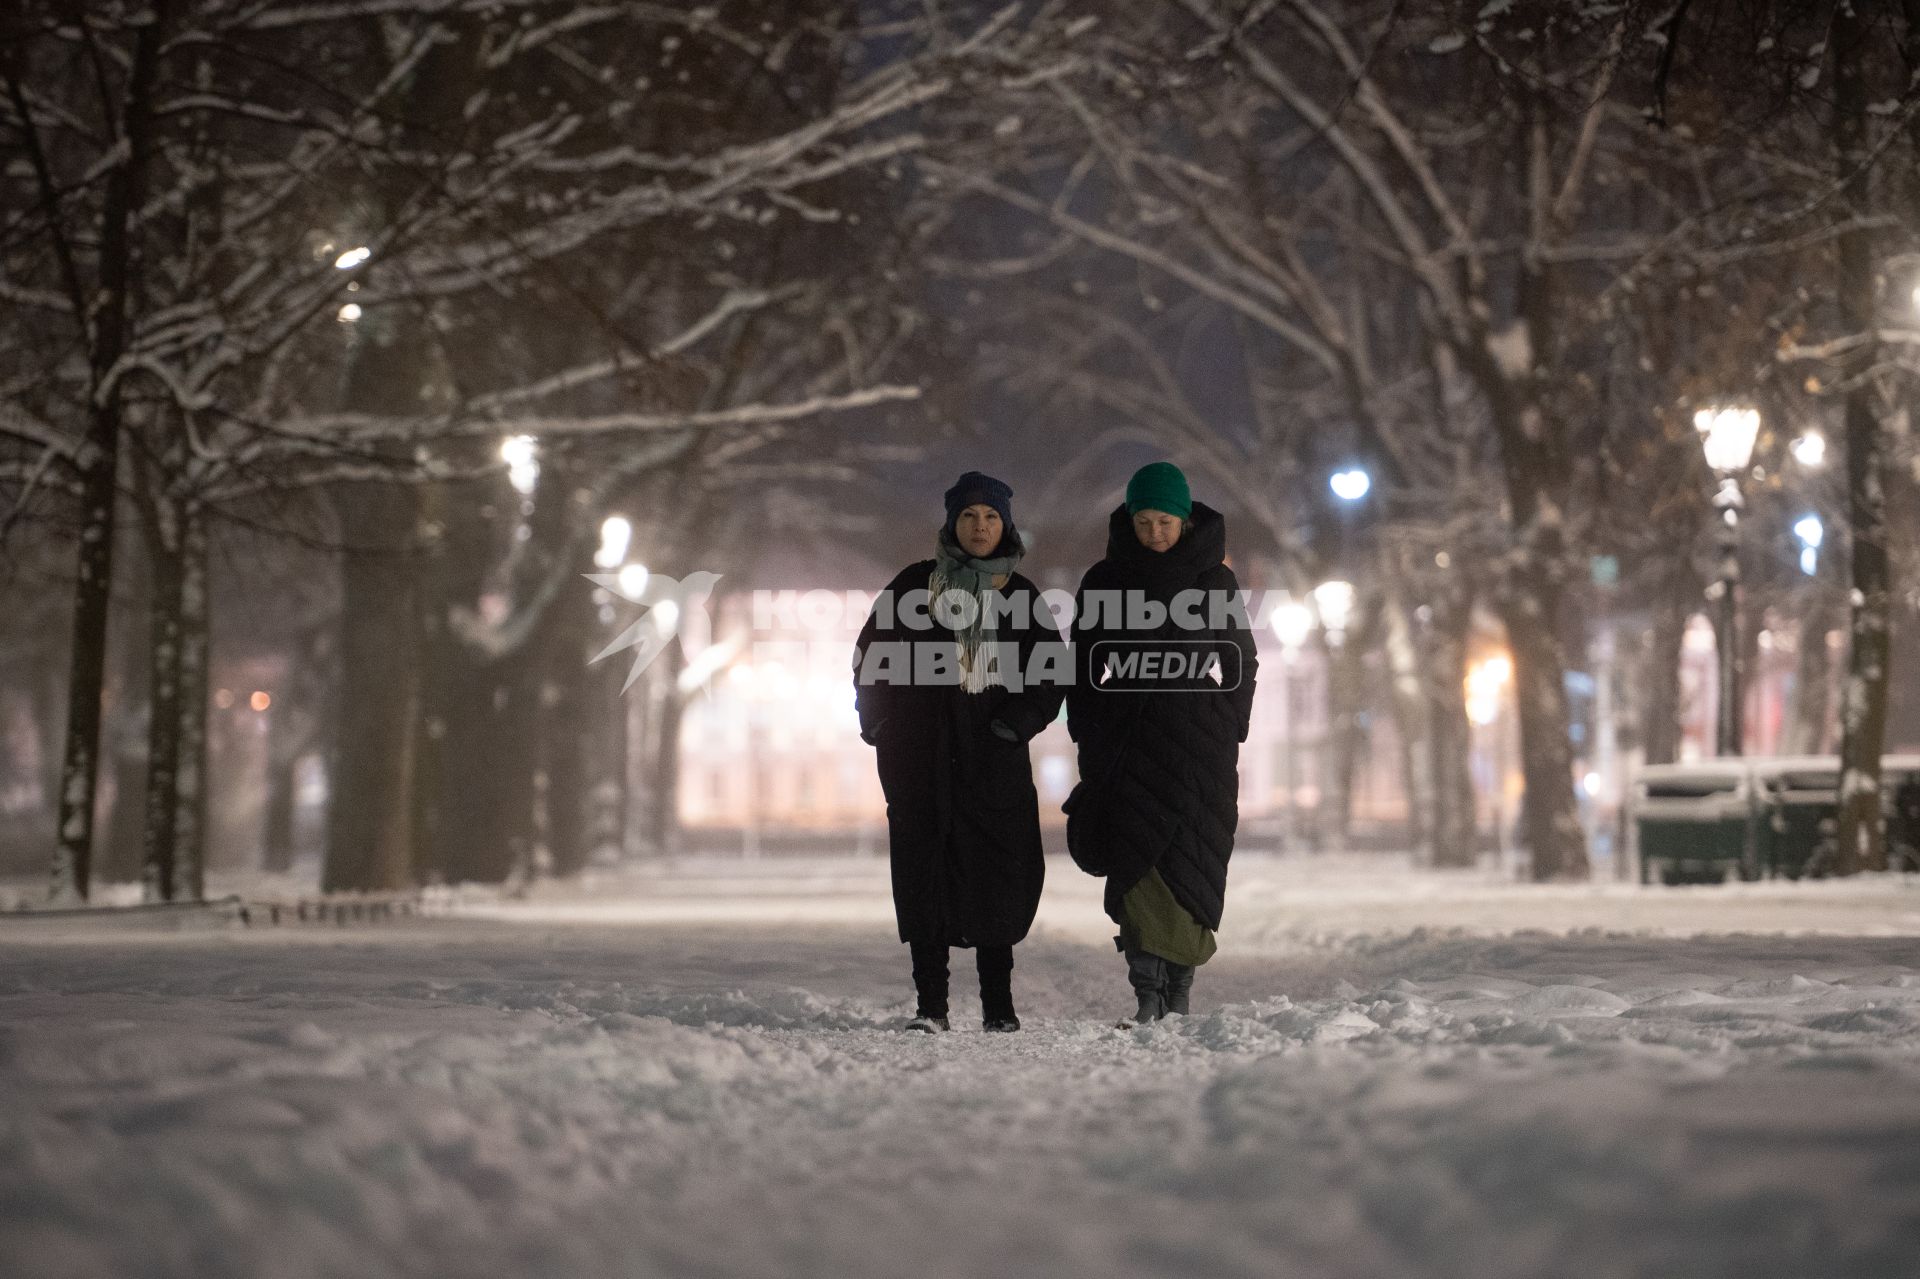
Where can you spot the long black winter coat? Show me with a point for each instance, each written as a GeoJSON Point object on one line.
{"type": "Point", "coordinates": [963, 821]}
{"type": "Point", "coordinates": [1159, 759]}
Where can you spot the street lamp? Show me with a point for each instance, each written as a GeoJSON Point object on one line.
{"type": "Point", "coordinates": [520, 453]}
{"type": "Point", "coordinates": [1810, 450]}
{"type": "Point", "coordinates": [1334, 602]}
{"type": "Point", "coordinates": [1351, 484]}
{"type": "Point", "coordinates": [633, 581]}
{"type": "Point", "coordinates": [1811, 533]}
{"type": "Point", "coordinates": [616, 535]}
{"type": "Point", "coordinates": [1727, 435]}
{"type": "Point", "coordinates": [1486, 682]}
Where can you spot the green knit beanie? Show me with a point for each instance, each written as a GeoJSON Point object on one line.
{"type": "Point", "coordinates": [1159, 486]}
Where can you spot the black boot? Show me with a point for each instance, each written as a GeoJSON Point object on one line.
{"type": "Point", "coordinates": [1148, 974]}
{"type": "Point", "coordinates": [1179, 986]}
{"type": "Point", "coordinates": [996, 988]}
{"type": "Point", "coordinates": [930, 983]}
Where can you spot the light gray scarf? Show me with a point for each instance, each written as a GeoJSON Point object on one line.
{"type": "Point", "coordinates": [954, 569]}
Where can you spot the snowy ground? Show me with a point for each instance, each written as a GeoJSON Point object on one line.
{"type": "Point", "coordinates": [696, 1072]}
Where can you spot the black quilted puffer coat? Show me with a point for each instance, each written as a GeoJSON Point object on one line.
{"type": "Point", "coordinates": [963, 819]}
{"type": "Point", "coordinates": [1159, 758]}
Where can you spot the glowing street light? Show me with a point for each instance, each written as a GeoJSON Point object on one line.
{"type": "Point", "coordinates": [1292, 623]}
{"type": "Point", "coordinates": [616, 535]}
{"type": "Point", "coordinates": [349, 313]}
{"type": "Point", "coordinates": [523, 468]}
{"type": "Point", "coordinates": [1351, 484]}
{"type": "Point", "coordinates": [1486, 681]}
{"type": "Point", "coordinates": [352, 258]}
{"type": "Point", "coordinates": [1334, 602]}
{"type": "Point", "coordinates": [633, 581]}
{"type": "Point", "coordinates": [1811, 532]}
{"type": "Point", "coordinates": [1810, 450]}
{"type": "Point", "coordinates": [1727, 435]}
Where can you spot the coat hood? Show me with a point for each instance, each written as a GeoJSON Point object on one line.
{"type": "Point", "coordinates": [1201, 548]}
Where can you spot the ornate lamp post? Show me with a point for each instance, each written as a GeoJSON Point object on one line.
{"type": "Point", "coordinates": [1727, 435]}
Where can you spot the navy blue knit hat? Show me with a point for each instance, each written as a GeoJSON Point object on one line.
{"type": "Point", "coordinates": [978, 489]}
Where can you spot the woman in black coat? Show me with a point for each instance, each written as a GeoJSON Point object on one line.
{"type": "Point", "coordinates": [1162, 695]}
{"type": "Point", "coordinates": [945, 698]}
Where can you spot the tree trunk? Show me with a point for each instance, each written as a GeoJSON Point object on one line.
{"type": "Point", "coordinates": [611, 799]}
{"type": "Point", "coordinates": [163, 723]}
{"type": "Point", "coordinates": [1535, 467]}
{"type": "Point", "coordinates": [1660, 670]}
{"type": "Point", "coordinates": [1346, 704]}
{"type": "Point", "coordinates": [369, 813]}
{"type": "Point", "coordinates": [650, 717]}
{"type": "Point", "coordinates": [1903, 665]}
{"type": "Point", "coordinates": [1811, 712]}
{"type": "Point", "coordinates": [122, 852]}
{"type": "Point", "coordinates": [440, 661]}
{"type": "Point", "coordinates": [1411, 707]}
{"type": "Point", "coordinates": [1456, 841]}
{"type": "Point", "coordinates": [293, 729]}
{"type": "Point", "coordinates": [107, 303]}
{"type": "Point", "coordinates": [276, 843]}
{"type": "Point", "coordinates": [1552, 818]}
{"type": "Point", "coordinates": [1861, 842]}
{"type": "Point", "coordinates": [570, 731]}
{"type": "Point", "coordinates": [371, 816]}
{"type": "Point", "coordinates": [48, 693]}
{"type": "Point", "coordinates": [492, 724]}
{"type": "Point", "coordinates": [663, 831]}
{"type": "Point", "coordinates": [120, 855]}
{"type": "Point", "coordinates": [190, 789]}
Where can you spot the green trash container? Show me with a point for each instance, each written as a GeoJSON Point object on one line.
{"type": "Point", "coordinates": [1798, 800]}
{"type": "Point", "coordinates": [1900, 784]}
{"type": "Point", "coordinates": [1695, 823]}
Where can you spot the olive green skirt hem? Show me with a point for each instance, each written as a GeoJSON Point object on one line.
{"type": "Point", "coordinates": [1152, 921]}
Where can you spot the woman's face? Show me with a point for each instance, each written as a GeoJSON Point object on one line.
{"type": "Point", "coordinates": [1156, 530]}
{"type": "Point", "coordinates": [978, 529]}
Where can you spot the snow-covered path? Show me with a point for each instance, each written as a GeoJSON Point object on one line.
{"type": "Point", "coordinates": [717, 1090]}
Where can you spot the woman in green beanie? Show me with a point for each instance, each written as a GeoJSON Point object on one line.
{"type": "Point", "coordinates": [1161, 699]}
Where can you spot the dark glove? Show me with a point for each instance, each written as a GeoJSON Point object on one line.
{"type": "Point", "coordinates": [1004, 731]}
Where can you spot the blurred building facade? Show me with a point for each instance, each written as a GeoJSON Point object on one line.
{"type": "Point", "coordinates": [771, 754]}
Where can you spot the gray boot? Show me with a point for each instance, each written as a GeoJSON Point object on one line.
{"type": "Point", "coordinates": [1179, 986]}
{"type": "Point", "coordinates": [1148, 973]}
